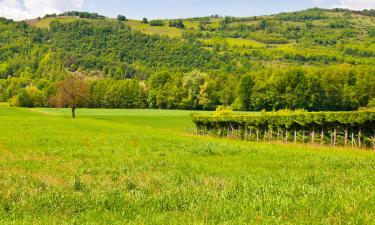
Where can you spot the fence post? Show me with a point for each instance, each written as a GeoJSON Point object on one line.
{"type": "Point", "coordinates": [313, 135]}
{"type": "Point", "coordinates": [246, 135]}
{"type": "Point", "coordinates": [334, 136]}
{"type": "Point", "coordinates": [352, 140]}
{"type": "Point", "coordinates": [286, 136]}
{"type": "Point", "coordinates": [359, 138]}
{"type": "Point", "coordinates": [303, 136]}
{"type": "Point", "coordinates": [346, 135]}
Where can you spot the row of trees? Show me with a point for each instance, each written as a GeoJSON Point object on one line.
{"type": "Point", "coordinates": [331, 88]}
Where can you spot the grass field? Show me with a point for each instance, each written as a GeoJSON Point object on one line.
{"type": "Point", "coordinates": [143, 167]}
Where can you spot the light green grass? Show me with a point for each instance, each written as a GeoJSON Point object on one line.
{"type": "Point", "coordinates": [4, 104]}
{"type": "Point", "coordinates": [44, 23]}
{"type": "Point", "coordinates": [159, 30]}
{"type": "Point", "coordinates": [235, 42]}
{"type": "Point", "coordinates": [142, 167]}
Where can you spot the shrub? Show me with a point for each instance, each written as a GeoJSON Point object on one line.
{"type": "Point", "coordinates": [157, 23]}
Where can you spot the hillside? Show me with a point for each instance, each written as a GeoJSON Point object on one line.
{"type": "Point", "coordinates": [315, 59]}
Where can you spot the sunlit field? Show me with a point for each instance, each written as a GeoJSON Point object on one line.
{"type": "Point", "coordinates": [147, 167]}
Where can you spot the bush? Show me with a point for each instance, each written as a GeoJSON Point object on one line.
{"type": "Point", "coordinates": [177, 23]}
{"type": "Point", "coordinates": [157, 23]}
{"type": "Point", "coordinates": [28, 97]}
{"type": "Point", "coordinates": [121, 18]}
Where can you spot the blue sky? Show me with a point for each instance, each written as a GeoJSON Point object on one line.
{"type": "Point", "coordinates": [26, 9]}
{"type": "Point", "coordinates": [191, 8]}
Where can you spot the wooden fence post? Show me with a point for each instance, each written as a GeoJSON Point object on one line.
{"type": "Point", "coordinates": [346, 135]}
{"type": "Point", "coordinates": [334, 136]}
{"type": "Point", "coordinates": [352, 140]}
{"type": "Point", "coordinates": [359, 138]}
{"type": "Point", "coordinates": [303, 136]}
{"type": "Point", "coordinates": [246, 135]}
{"type": "Point", "coordinates": [313, 136]}
{"type": "Point", "coordinates": [278, 134]}
{"type": "Point", "coordinates": [286, 135]}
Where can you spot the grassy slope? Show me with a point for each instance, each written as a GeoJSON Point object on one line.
{"type": "Point", "coordinates": [117, 166]}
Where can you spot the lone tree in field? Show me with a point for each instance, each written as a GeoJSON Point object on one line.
{"type": "Point", "coordinates": [73, 92]}
{"type": "Point", "coordinates": [121, 18]}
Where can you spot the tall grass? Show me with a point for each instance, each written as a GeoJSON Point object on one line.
{"type": "Point", "coordinates": [141, 167]}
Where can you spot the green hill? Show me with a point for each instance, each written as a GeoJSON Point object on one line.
{"type": "Point", "coordinates": [315, 59]}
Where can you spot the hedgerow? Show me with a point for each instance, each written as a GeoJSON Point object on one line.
{"type": "Point", "coordinates": [335, 128]}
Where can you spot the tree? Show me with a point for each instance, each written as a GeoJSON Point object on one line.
{"type": "Point", "coordinates": [4, 71]}
{"type": "Point", "coordinates": [73, 92]}
{"type": "Point", "coordinates": [121, 18]}
{"type": "Point", "coordinates": [195, 83]}
{"type": "Point", "coordinates": [156, 23]}
{"type": "Point", "coordinates": [144, 20]}
{"type": "Point", "coordinates": [177, 23]}
{"type": "Point", "coordinates": [244, 92]}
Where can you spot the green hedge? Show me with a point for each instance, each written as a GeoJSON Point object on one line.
{"type": "Point", "coordinates": [327, 127]}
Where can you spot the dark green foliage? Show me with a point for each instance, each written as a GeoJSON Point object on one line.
{"type": "Point", "coordinates": [145, 20]}
{"type": "Point", "coordinates": [333, 126]}
{"type": "Point", "coordinates": [121, 18]}
{"type": "Point", "coordinates": [177, 24]}
{"type": "Point", "coordinates": [86, 15]}
{"type": "Point", "coordinates": [244, 94]}
{"type": "Point", "coordinates": [315, 59]}
{"type": "Point", "coordinates": [310, 14]}
{"type": "Point", "coordinates": [157, 23]}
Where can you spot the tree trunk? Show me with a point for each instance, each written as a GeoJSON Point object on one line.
{"type": "Point", "coordinates": [257, 135]}
{"type": "Point", "coordinates": [74, 112]}
{"type": "Point", "coordinates": [322, 137]}
{"type": "Point", "coordinates": [295, 135]}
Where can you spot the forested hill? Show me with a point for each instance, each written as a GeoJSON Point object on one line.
{"type": "Point", "coordinates": [315, 59]}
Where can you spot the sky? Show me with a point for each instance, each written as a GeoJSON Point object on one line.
{"type": "Point", "coordinates": [163, 9]}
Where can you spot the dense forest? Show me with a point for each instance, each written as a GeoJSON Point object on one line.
{"type": "Point", "coordinates": [315, 59]}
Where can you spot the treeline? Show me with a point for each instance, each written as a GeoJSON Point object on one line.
{"type": "Point", "coordinates": [331, 88]}
{"type": "Point", "coordinates": [325, 69]}
{"type": "Point", "coordinates": [86, 15]}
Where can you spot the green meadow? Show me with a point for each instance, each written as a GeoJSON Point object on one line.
{"type": "Point", "coordinates": [147, 167]}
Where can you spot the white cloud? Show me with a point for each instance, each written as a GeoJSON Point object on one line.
{"type": "Point", "coordinates": [355, 4]}
{"type": "Point", "coordinates": [28, 9]}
